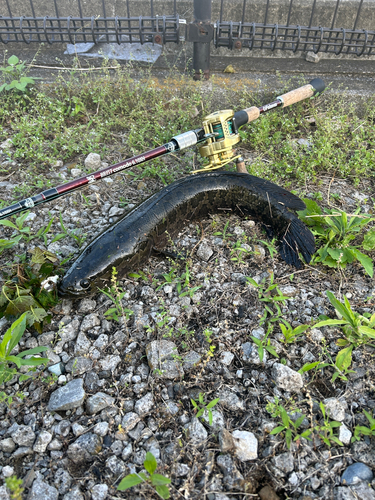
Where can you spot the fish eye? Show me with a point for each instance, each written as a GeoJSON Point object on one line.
{"type": "Point", "coordinates": [84, 284]}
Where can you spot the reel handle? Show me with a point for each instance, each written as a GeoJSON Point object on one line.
{"type": "Point", "coordinates": [250, 114]}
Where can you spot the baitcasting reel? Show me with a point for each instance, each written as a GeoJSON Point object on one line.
{"type": "Point", "coordinates": [222, 132]}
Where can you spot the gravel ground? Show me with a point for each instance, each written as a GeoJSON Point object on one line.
{"type": "Point", "coordinates": [124, 388]}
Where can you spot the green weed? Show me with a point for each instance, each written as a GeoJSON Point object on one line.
{"type": "Point", "coordinates": [201, 406]}
{"type": "Point", "coordinates": [155, 481]}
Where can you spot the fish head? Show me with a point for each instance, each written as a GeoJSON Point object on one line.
{"type": "Point", "coordinates": [73, 285]}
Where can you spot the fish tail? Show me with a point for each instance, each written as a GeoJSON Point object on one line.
{"type": "Point", "coordinates": [297, 239]}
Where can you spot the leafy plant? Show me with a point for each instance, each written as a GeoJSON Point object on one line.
{"type": "Point", "coordinates": [271, 295]}
{"type": "Point", "coordinates": [201, 406]}
{"type": "Point", "coordinates": [326, 430]}
{"type": "Point", "coordinates": [358, 330]}
{"type": "Point", "coordinates": [335, 230]}
{"type": "Point", "coordinates": [362, 430]}
{"type": "Point", "coordinates": [291, 334]}
{"type": "Point", "coordinates": [116, 294]}
{"type": "Point", "coordinates": [10, 340]}
{"type": "Point", "coordinates": [264, 344]}
{"type": "Point", "coordinates": [288, 426]}
{"type": "Point", "coordinates": [24, 292]}
{"type": "Point", "coordinates": [14, 485]}
{"type": "Point", "coordinates": [15, 76]}
{"type": "Point", "coordinates": [155, 481]}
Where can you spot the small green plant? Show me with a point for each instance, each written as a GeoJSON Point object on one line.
{"type": "Point", "coordinates": [223, 233]}
{"type": "Point", "coordinates": [116, 294]}
{"type": "Point", "coordinates": [362, 430]}
{"type": "Point", "coordinates": [272, 296]}
{"type": "Point", "coordinates": [288, 426]}
{"type": "Point", "coordinates": [264, 344]}
{"type": "Point", "coordinates": [238, 252]}
{"type": "Point", "coordinates": [10, 340]}
{"type": "Point", "coordinates": [201, 406]}
{"type": "Point", "coordinates": [14, 485]}
{"type": "Point", "coordinates": [15, 76]}
{"type": "Point", "coordinates": [358, 330]}
{"type": "Point", "coordinates": [335, 230]}
{"type": "Point", "coordinates": [326, 430]}
{"type": "Point", "coordinates": [153, 480]}
{"type": "Point", "coordinates": [291, 334]}
{"type": "Point", "coordinates": [24, 292]}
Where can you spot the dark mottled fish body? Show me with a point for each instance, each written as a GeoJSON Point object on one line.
{"type": "Point", "coordinates": [128, 242]}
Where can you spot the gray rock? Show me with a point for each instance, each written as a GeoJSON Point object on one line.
{"type": "Point", "coordinates": [115, 211]}
{"type": "Point", "coordinates": [361, 490]}
{"type": "Point", "coordinates": [70, 331]}
{"type": "Point", "coordinates": [99, 492]}
{"type": "Point", "coordinates": [85, 448]}
{"type": "Point", "coordinates": [344, 434]}
{"type": "Point", "coordinates": [67, 397]}
{"type": "Point", "coordinates": [182, 470]}
{"type": "Point", "coordinates": [62, 480]}
{"type": "Point", "coordinates": [55, 445]}
{"type": "Point", "coordinates": [217, 419]}
{"type": "Point", "coordinates": [160, 358]}
{"type": "Point", "coordinates": [23, 436]}
{"type": "Point", "coordinates": [286, 378]}
{"type": "Point", "coordinates": [129, 421]}
{"type": "Point", "coordinates": [78, 429]}
{"type": "Point", "coordinates": [226, 357]}
{"type": "Point", "coordinates": [145, 404]}
{"type": "Point", "coordinates": [4, 493]}
{"type": "Point", "coordinates": [56, 369]}
{"type": "Point", "coordinates": [250, 354]}
{"type": "Point", "coordinates": [127, 451]}
{"type": "Point", "coordinates": [89, 322]}
{"type": "Point", "coordinates": [98, 402]}
{"type": "Point", "coordinates": [7, 471]}
{"type": "Point", "coordinates": [204, 252]}
{"type": "Point", "coordinates": [42, 441]}
{"type": "Point", "coordinates": [101, 429]}
{"type": "Point", "coordinates": [196, 432]}
{"type": "Point", "coordinates": [191, 359]}
{"type": "Point", "coordinates": [7, 445]}
{"type": "Point", "coordinates": [230, 400]}
{"type": "Point", "coordinates": [284, 462]}
{"type": "Point", "coordinates": [74, 494]}
{"type": "Point", "coordinates": [233, 479]}
{"type": "Point", "coordinates": [86, 306]}
{"type": "Point", "coordinates": [355, 473]}
{"type": "Point", "coordinates": [245, 445]}
{"type": "Point", "coordinates": [109, 362]}
{"type": "Point", "coordinates": [93, 161]}
{"type": "Point", "coordinates": [335, 408]}
{"type": "Point", "coordinates": [116, 466]}
{"type": "Point", "coordinates": [42, 491]}
{"type": "Point", "coordinates": [171, 408]}
{"type": "Point", "coordinates": [79, 365]}
{"type": "Point", "coordinates": [316, 335]}
{"type": "Point", "coordinates": [82, 345]}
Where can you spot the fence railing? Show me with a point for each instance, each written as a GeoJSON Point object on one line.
{"type": "Point", "coordinates": [331, 26]}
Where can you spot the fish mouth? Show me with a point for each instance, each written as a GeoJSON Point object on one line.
{"type": "Point", "coordinates": [73, 291]}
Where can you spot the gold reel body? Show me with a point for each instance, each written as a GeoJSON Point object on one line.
{"type": "Point", "coordinates": [218, 148]}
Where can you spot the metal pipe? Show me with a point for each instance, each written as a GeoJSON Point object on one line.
{"type": "Point", "coordinates": [201, 50]}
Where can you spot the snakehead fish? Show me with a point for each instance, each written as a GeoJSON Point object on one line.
{"type": "Point", "coordinates": [129, 241]}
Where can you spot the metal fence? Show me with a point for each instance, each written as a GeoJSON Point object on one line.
{"type": "Point", "coordinates": [331, 26]}
{"type": "Point", "coordinates": [78, 23]}
{"type": "Point", "coordinates": [345, 33]}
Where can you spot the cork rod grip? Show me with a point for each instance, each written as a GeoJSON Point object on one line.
{"type": "Point", "coordinates": [297, 95]}
{"type": "Point", "coordinates": [252, 113]}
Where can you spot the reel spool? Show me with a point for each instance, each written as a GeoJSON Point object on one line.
{"type": "Point", "coordinates": [222, 132]}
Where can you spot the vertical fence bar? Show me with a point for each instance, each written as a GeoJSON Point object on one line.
{"type": "Point", "coordinates": [82, 23]}
{"type": "Point", "coordinates": [201, 50]}
{"type": "Point", "coordinates": [333, 24]}
{"type": "Point", "coordinates": [129, 23]}
{"type": "Point", "coordinates": [265, 22]}
{"type": "Point", "coordinates": [287, 22]}
{"type": "Point", "coordinates": [12, 21]}
{"type": "Point", "coordinates": [105, 21]}
{"type": "Point", "coordinates": [58, 23]}
{"type": "Point", "coordinates": [355, 25]}
{"type": "Point", "coordinates": [36, 22]}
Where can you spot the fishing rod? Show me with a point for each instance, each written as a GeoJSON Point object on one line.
{"type": "Point", "coordinates": [218, 135]}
